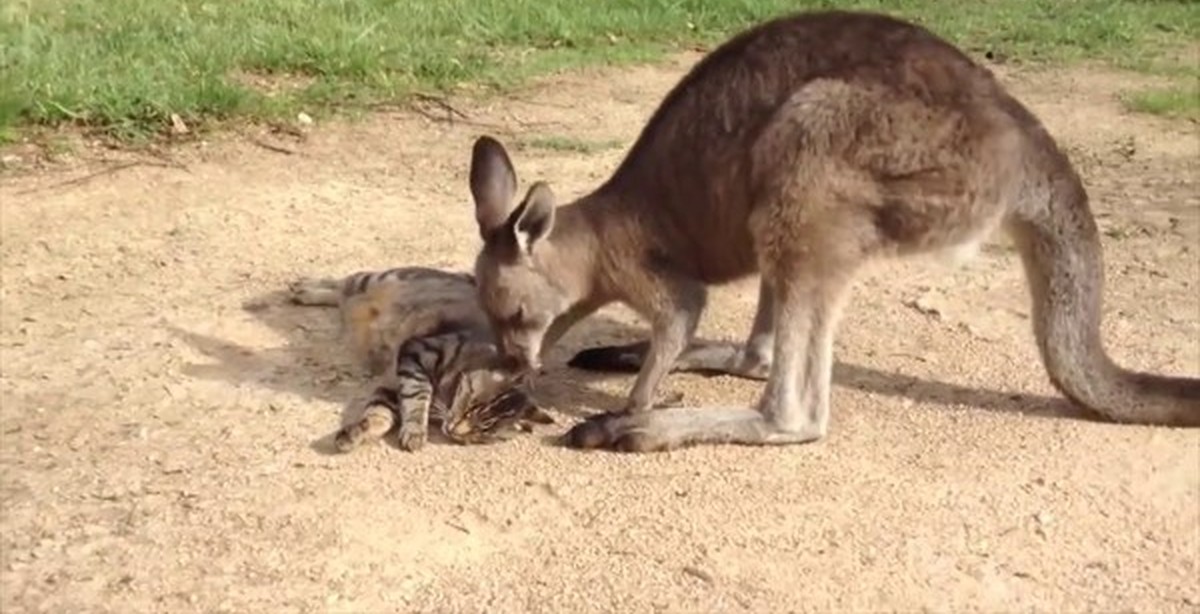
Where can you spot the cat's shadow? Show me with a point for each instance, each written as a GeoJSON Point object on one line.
{"type": "Point", "coordinates": [313, 363]}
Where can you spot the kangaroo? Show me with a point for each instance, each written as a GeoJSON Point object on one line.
{"type": "Point", "coordinates": [426, 325]}
{"type": "Point", "coordinates": [799, 150]}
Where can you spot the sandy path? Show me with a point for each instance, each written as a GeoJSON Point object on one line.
{"type": "Point", "coordinates": [159, 441]}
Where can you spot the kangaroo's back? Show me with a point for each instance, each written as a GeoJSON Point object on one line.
{"type": "Point", "coordinates": [693, 162]}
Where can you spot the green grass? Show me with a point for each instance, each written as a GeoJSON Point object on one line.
{"type": "Point", "coordinates": [122, 67]}
{"type": "Point", "coordinates": [1183, 101]}
{"type": "Point", "coordinates": [568, 144]}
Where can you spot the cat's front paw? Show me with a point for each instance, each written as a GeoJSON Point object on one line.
{"type": "Point", "coordinates": [412, 439]}
{"type": "Point", "coordinates": [307, 291]}
{"type": "Point", "coordinates": [344, 440]}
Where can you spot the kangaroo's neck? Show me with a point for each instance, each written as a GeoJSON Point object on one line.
{"type": "Point", "coordinates": [589, 236]}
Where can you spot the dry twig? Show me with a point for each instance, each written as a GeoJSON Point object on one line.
{"type": "Point", "coordinates": [100, 173]}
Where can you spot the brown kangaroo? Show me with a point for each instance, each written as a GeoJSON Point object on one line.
{"type": "Point", "coordinates": [799, 150]}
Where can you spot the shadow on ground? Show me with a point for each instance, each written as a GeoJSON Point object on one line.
{"type": "Point", "coordinates": [890, 384]}
{"type": "Point", "coordinates": [309, 366]}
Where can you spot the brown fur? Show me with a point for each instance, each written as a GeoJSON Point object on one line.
{"type": "Point", "coordinates": [799, 150]}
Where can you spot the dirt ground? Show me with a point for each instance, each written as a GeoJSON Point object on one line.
{"type": "Point", "coordinates": [165, 413]}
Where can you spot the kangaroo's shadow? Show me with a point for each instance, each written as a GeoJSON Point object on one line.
{"type": "Point", "coordinates": [884, 383]}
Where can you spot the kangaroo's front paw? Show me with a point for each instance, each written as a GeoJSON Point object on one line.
{"type": "Point", "coordinates": [752, 366]}
{"type": "Point", "coordinates": [675, 399]}
{"type": "Point", "coordinates": [411, 439]}
{"type": "Point", "coordinates": [617, 431]}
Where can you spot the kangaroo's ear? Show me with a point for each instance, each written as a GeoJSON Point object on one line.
{"type": "Point", "coordinates": [493, 184]}
{"type": "Point", "coordinates": [535, 218]}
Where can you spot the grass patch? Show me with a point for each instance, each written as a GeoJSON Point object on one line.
{"type": "Point", "coordinates": [1179, 102]}
{"type": "Point", "coordinates": [569, 144]}
{"type": "Point", "coordinates": [122, 67]}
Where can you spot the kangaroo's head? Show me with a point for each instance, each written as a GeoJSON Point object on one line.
{"type": "Point", "coordinates": [515, 287]}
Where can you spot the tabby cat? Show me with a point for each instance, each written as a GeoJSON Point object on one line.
{"type": "Point", "coordinates": [421, 332]}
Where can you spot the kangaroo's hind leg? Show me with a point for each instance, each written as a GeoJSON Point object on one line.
{"type": "Point", "coordinates": [795, 400]}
